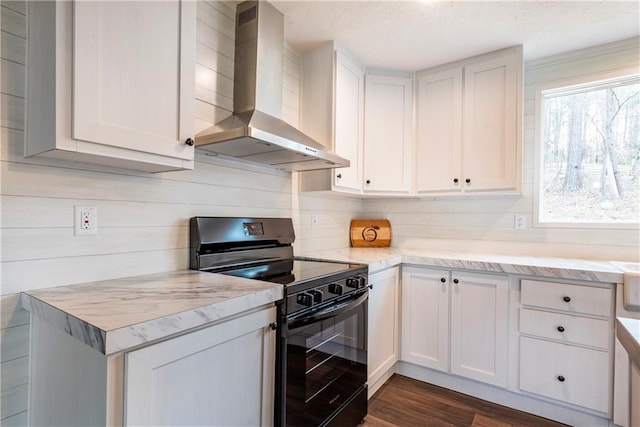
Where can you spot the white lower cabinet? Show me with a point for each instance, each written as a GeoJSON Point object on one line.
{"type": "Point", "coordinates": [456, 322]}
{"type": "Point", "coordinates": [565, 372]}
{"type": "Point", "coordinates": [383, 336]}
{"type": "Point", "coordinates": [635, 395]}
{"type": "Point", "coordinates": [566, 339]}
{"type": "Point", "coordinates": [221, 375]}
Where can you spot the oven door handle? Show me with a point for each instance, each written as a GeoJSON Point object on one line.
{"type": "Point", "coordinates": [326, 313]}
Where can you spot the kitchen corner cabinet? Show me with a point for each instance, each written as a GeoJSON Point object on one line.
{"type": "Point", "coordinates": [112, 83]}
{"type": "Point", "coordinates": [388, 134]}
{"type": "Point", "coordinates": [332, 112]}
{"type": "Point", "coordinates": [456, 322]}
{"type": "Point", "coordinates": [469, 125]}
{"type": "Point", "coordinates": [383, 326]}
{"type": "Point", "coordinates": [222, 374]}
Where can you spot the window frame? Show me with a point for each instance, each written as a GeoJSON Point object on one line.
{"type": "Point", "coordinates": [584, 79]}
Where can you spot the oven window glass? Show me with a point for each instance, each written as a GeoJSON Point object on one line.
{"type": "Point", "coordinates": [326, 365]}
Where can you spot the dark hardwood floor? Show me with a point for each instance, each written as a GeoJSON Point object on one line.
{"type": "Point", "coordinates": [402, 401]}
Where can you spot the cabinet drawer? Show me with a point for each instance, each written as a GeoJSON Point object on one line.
{"type": "Point", "coordinates": [570, 298]}
{"type": "Point", "coordinates": [564, 372]}
{"type": "Point", "coordinates": [566, 328]}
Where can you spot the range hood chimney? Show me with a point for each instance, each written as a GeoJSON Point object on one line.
{"type": "Point", "coordinates": [255, 132]}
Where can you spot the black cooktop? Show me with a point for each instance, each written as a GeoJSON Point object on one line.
{"type": "Point", "coordinates": [296, 271]}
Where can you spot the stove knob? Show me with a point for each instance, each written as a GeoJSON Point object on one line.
{"type": "Point", "coordinates": [362, 282]}
{"type": "Point", "coordinates": [305, 299]}
{"type": "Point", "coordinates": [335, 288]}
{"type": "Point", "coordinates": [317, 296]}
{"type": "Point", "coordinates": [352, 282]}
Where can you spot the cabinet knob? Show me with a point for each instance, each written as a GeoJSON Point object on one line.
{"type": "Point", "coordinates": [370, 286]}
{"type": "Point", "coordinates": [455, 281]}
{"type": "Point", "coordinates": [339, 176]}
{"type": "Point", "coordinates": [561, 378]}
{"type": "Point", "coordinates": [455, 180]}
{"type": "Point", "coordinates": [368, 181]}
{"type": "Point", "coordinates": [273, 326]}
{"type": "Point", "coordinates": [560, 328]}
{"type": "Point", "coordinates": [468, 181]}
{"type": "Point", "coordinates": [190, 142]}
{"type": "Point", "coordinates": [566, 299]}
{"type": "Point", "coordinates": [443, 280]}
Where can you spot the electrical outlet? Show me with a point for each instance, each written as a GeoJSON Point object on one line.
{"type": "Point", "coordinates": [85, 220]}
{"type": "Point", "coordinates": [519, 222]}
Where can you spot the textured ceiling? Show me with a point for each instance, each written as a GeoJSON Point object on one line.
{"type": "Point", "coordinates": [413, 35]}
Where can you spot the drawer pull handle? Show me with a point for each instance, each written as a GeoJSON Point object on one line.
{"type": "Point", "coordinates": [561, 378]}
{"type": "Point", "coordinates": [455, 281]}
{"type": "Point", "coordinates": [443, 280]}
{"type": "Point", "coordinates": [560, 328]}
{"type": "Point", "coordinates": [566, 299]}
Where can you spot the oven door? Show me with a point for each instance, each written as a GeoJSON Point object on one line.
{"type": "Point", "coordinates": [325, 352]}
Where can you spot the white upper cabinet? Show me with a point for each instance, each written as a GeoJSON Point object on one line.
{"type": "Point", "coordinates": [439, 132]}
{"type": "Point", "coordinates": [364, 119]}
{"type": "Point", "coordinates": [387, 134]}
{"type": "Point", "coordinates": [348, 121]}
{"type": "Point", "coordinates": [332, 113]}
{"type": "Point", "coordinates": [112, 83]}
{"type": "Point", "coordinates": [469, 130]}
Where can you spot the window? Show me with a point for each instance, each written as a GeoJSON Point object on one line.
{"type": "Point", "coordinates": [589, 146]}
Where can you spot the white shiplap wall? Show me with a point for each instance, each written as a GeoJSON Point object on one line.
{"type": "Point", "coordinates": [486, 224]}
{"type": "Point", "coordinates": [143, 219]}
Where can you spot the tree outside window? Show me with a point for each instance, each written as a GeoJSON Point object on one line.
{"type": "Point", "coordinates": [590, 153]}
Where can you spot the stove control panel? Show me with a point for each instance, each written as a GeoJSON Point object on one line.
{"type": "Point", "coordinates": [323, 293]}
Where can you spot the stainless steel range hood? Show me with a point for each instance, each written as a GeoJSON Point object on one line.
{"type": "Point", "coordinates": [255, 133]}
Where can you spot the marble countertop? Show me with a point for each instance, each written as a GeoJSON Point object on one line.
{"type": "Point", "coordinates": [628, 332]}
{"type": "Point", "coordinates": [115, 315]}
{"type": "Point", "coordinates": [561, 268]}
{"type": "Point", "coordinates": [120, 314]}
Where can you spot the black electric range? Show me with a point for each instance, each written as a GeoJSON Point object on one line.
{"type": "Point", "coordinates": [321, 356]}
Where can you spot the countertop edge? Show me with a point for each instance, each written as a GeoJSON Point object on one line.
{"type": "Point", "coordinates": [122, 339]}
{"type": "Point", "coordinates": [628, 332]}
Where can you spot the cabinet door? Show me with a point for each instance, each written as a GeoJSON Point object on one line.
{"type": "Point", "coordinates": [348, 121]}
{"type": "Point", "coordinates": [382, 324]}
{"type": "Point", "coordinates": [221, 375]}
{"type": "Point", "coordinates": [133, 75]}
{"type": "Point", "coordinates": [425, 317]}
{"type": "Point", "coordinates": [490, 124]}
{"type": "Point", "coordinates": [479, 315]}
{"type": "Point", "coordinates": [387, 134]}
{"type": "Point", "coordinates": [439, 132]}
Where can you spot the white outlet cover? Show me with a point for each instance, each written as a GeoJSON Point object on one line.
{"type": "Point", "coordinates": [85, 220]}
